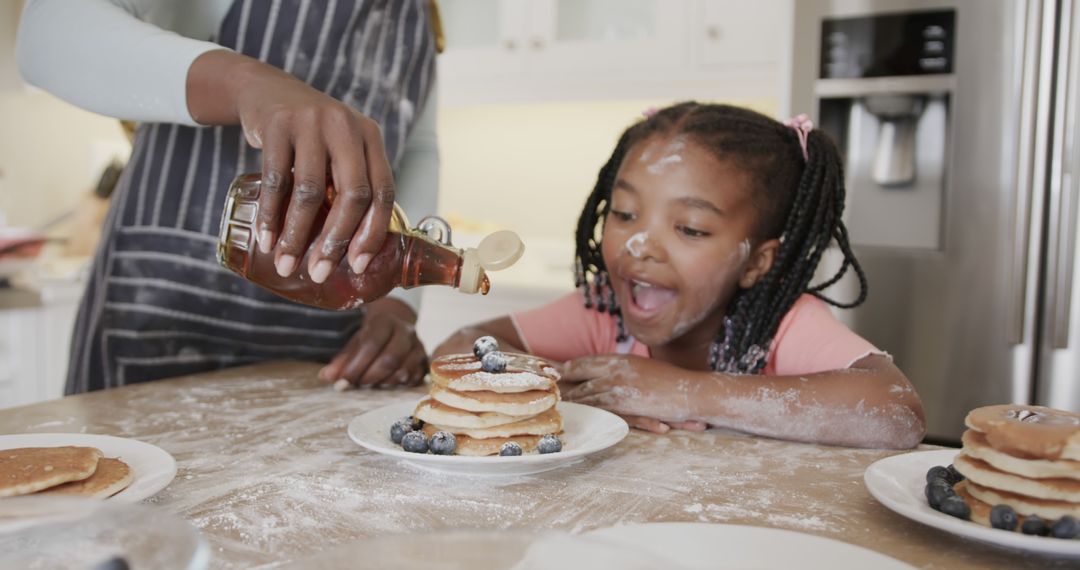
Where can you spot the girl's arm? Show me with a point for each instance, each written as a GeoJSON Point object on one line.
{"type": "Point", "coordinates": [870, 404]}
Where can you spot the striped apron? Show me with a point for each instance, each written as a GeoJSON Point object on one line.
{"type": "Point", "coordinates": [157, 303]}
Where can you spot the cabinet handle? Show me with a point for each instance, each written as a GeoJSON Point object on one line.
{"type": "Point", "coordinates": [713, 33]}
{"type": "Point", "coordinates": [536, 43]}
{"type": "Point", "coordinates": [510, 45]}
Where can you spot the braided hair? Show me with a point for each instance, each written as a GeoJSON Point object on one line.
{"type": "Point", "coordinates": [800, 202]}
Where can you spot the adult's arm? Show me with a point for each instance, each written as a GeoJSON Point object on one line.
{"type": "Point", "coordinates": [105, 55]}
{"type": "Point", "coordinates": [298, 128]}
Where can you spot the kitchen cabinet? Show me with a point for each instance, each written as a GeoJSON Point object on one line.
{"type": "Point", "coordinates": [512, 51]}
{"type": "Point", "coordinates": [735, 33]}
{"type": "Point", "coordinates": [35, 337]}
{"type": "Point", "coordinates": [20, 357]}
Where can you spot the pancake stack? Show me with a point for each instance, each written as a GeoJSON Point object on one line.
{"type": "Point", "coordinates": [1026, 457]}
{"type": "Point", "coordinates": [489, 398]}
{"type": "Point", "coordinates": [80, 471]}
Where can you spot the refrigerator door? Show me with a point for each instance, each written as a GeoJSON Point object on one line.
{"type": "Point", "coordinates": [958, 318]}
{"type": "Point", "coordinates": [1059, 350]}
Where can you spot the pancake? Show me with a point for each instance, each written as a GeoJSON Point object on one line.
{"type": "Point", "coordinates": [543, 424]}
{"type": "Point", "coordinates": [30, 469]}
{"type": "Point", "coordinates": [980, 510]}
{"type": "Point", "coordinates": [110, 477]}
{"type": "Point", "coordinates": [434, 412]}
{"type": "Point", "coordinates": [1044, 508]}
{"type": "Point", "coordinates": [975, 445]}
{"type": "Point", "coordinates": [509, 404]}
{"type": "Point", "coordinates": [461, 372]}
{"type": "Point", "coordinates": [470, 446]}
{"type": "Point", "coordinates": [986, 475]}
{"type": "Point", "coordinates": [1029, 432]}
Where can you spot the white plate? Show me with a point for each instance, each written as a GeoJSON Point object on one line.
{"type": "Point", "coordinates": [585, 430]}
{"type": "Point", "coordinates": [153, 468]}
{"type": "Point", "coordinates": [79, 532]}
{"type": "Point", "coordinates": [703, 545]}
{"type": "Point", "coordinates": [899, 483]}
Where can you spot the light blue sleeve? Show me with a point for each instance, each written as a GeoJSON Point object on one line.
{"type": "Point", "coordinates": [113, 57]}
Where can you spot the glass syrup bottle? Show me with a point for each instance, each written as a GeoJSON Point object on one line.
{"type": "Point", "coordinates": [408, 258]}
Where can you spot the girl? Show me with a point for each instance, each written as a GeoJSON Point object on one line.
{"type": "Point", "coordinates": [695, 252]}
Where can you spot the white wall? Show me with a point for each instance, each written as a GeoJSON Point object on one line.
{"type": "Point", "coordinates": [530, 167]}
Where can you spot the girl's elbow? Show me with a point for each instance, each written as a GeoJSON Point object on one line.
{"type": "Point", "coordinates": [909, 423]}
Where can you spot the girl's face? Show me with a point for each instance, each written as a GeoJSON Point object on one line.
{"type": "Point", "coordinates": [678, 241]}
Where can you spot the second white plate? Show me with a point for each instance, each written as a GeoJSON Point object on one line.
{"type": "Point", "coordinates": [898, 482]}
{"type": "Point", "coordinates": [153, 468]}
{"type": "Point", "coordinates": [585, 430]}
{"type": "Point", "coordinates": [702, 545]}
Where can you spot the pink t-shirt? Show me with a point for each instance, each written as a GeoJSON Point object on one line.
{"type": "Point", "coordinates": [810, 339]}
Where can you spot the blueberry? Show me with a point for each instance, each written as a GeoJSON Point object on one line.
{"type": "Point", "coordinates": [494, 362]}
{"type": "Point", "coordinates": [114, 563]}
{"type": "Point", "coordinates": [414, 442]}
{"type": "Point", "coordinates": [1003, 517]}
{"type": "Point", "coordinates": [550, 443]}
{"type": "Point", "coordinates": [954, 506]}
{"type": "Point", "coordinates": [937, 491]}
{"type": "Point", "coordinates": [937, 471]}
{"type": "Point", "coordinates": [1065, 527]}
{"type": "Point", "coordinates": [510, 448]}
{"type": "Point", "coordinates": [954, 475]}
{"type": "Point", "coordinates": [1034, 525]}
{"type": "Point", "coordinates": [443, 443]}
{"type": "Point", "coordinates": [484, 345]}
{"type": "Point", "coordinates": [399, 429]}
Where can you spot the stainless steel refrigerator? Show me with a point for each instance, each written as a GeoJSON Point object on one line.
{"type": "Point", "coordinates": [958, 124]}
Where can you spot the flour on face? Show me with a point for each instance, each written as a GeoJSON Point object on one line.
{"type": "Point", "coordinates": [671, 154]}
{"type": "Point", "coordinates": [635, 243]}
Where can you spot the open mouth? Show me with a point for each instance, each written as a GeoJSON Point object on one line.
{"type": "Point", "coordinates": [649, 299]}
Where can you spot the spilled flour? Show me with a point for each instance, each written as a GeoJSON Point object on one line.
{"type": "Point", "coordinates": [268, 474]}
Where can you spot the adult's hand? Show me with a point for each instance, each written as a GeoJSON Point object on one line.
{"type": "Point", "coordinates": [302, 132]}
{"type": "Point", "coordinates": [384, 353]}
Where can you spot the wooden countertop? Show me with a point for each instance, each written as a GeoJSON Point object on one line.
{"type": "Point", "coordinates": [268, 474]}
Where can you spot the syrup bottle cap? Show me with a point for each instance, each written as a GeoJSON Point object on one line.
{"type": "Point", "coordinates": [500, 250]}
{"type": "Point", "coordinates": [496, 251]}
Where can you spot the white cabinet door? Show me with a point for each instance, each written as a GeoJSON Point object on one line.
{"type": "Point", "coordinates": [522, 51]}
{"type": "Point", "coordinates": [737, 33]}
{"type": "Point", "coordinates": [20, 357]}
{"type": "Point", "coordinates": [605, 36]}
{"type": "Point", "coordinates": [484, 38]}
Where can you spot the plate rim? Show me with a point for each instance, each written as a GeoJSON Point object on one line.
{"type": "Point", "coordinates": [605, 532]}
{"type": "Point", "coordinates": [430, 460]}
{"type": "Point", "coordinates": [128, 494]}
{"type": "Point", "coordinates": [970, 530]}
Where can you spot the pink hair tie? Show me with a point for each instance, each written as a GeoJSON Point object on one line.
{"type": "Point", "coordinates": [648, 113]}
{"type": "Point", "coordinates": [802, 125]}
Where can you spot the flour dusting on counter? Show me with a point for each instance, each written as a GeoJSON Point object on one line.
{"type": "Point", "coordinates": [268, 474]}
